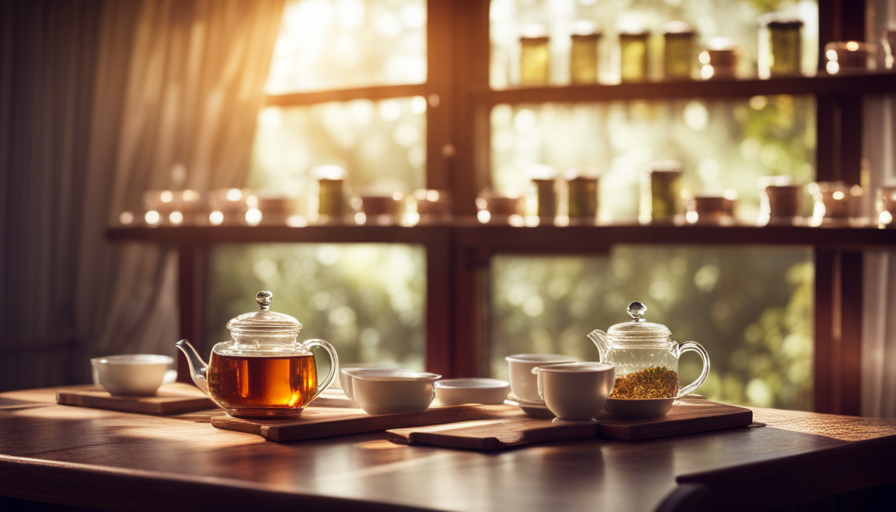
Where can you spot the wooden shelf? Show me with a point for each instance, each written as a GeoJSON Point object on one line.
{"type": "Point", "coordinates": [846, 85]}
{"type": "Point", "coordinates": [468, 233]}
{"type": "Point", "coordinates": [212, 235]}
{"type": "Point", "coordinates": [380, 92]}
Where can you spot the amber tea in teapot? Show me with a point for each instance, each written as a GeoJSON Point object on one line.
{"type": "Point", "coordinates": [262, 371]}
{"type": "Point", "coordinates": [287, 382]}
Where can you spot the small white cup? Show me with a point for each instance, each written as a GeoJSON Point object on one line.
{"type": "Point", "coordinates": [575, 391]}
{"type": "Point", "coordinates": [132, 374]}
{"type": "Point", "coordinates": [395, 393]}
{"type": "Point", "coordinates": [522, 382]}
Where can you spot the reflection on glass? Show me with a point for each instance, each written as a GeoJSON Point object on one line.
{"type": "Point", "coordinates": [325, 44]}
{"type": "Point", "coordinates": [750, 307]}
{"type": "Point", "coordinates": [721, 145]}
{"type": "Point", "coordinates": [369, 316]}
{"type": "Point", "coordinates": [380, 144]}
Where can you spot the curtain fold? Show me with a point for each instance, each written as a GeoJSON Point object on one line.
{"type": "Point", "coordinates": [879, 287]}
{"type": "Point", "coordinates": [100, 101]}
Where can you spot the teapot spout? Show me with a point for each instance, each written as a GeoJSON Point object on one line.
{"type": "Point", "coordinates": [599, 338]}
{"type": "Point", "coordinates": [198, 368]}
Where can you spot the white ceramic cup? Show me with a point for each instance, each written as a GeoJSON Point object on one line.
{"type": "Point", "coordinates": [575, 391]}
{"type": "Point", "coordinates": [132, 374]}
{"type": "Point", "coordinates": [523, 383]}
{"type": "Point", "coordinates": [391, 394]}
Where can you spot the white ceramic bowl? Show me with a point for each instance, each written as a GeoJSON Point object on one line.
{"type": "Point", "coordinates": [346, 376]}
{"type": "Point", "coordinates": [471, 391]}
{"type": "Point", "coordinates": [341, 382]}
{"type": "Point", "coordinates": [132, 374]}
{"type": "Point", "coordinates": [390, 394]}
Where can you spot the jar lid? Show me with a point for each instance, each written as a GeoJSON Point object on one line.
{"type": "Point", "coordinates": [638, 330]}
{"type": "Point", "coordinates": [264, 322]}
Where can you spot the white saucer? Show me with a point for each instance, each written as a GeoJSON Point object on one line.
{"type": "Point", "coordinates": [534, 409]}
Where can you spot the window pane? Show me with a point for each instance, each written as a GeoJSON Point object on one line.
{"type": "Point", "coordinates": [736, 21]}
{"type": "Point", "coordinates": [368, 300]}
{"type": "Point", "coordinates": [338, 44]}
{"type": "Point", "coordinates": [750, 307]}
{"type": "Point", "coordinates": [722, 145]}
{"type": "Point", "coordinates": [381, 145]}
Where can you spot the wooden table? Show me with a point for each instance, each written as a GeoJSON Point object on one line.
{"type": "Point", "coordinates": [112, 460]}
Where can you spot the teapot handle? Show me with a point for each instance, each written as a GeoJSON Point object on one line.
{"type": "Point", "coordinates": [689, 346]}
{"type": "Point", "coordinates": [334, 365]}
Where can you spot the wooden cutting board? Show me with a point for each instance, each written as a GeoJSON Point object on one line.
{"type": "Point", "coordinates": [321, 422]}
{"type": "Point", "coordinates": [171, 398]}
{"type": "Point", "coordinates": [692, 415]}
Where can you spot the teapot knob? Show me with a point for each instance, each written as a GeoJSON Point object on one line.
{"type": "Point", "coordinates": [636, 310]}
{"type": "Point", "coordinates": [263, 298]}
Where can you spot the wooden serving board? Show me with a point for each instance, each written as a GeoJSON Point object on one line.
{"type": "Point", "coordinates": [321, 422]}
{"type": "Point", "coordinates": [171, 398]}
{"type": "Point", "coordinates": [515, 428]}
{"type": "Point", "coordinates": [692, 415]}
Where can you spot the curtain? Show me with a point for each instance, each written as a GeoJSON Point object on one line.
{"type": "Point", "coordinates": [879, 301]}
{"type": "Point", "coordinates": [102, 100]}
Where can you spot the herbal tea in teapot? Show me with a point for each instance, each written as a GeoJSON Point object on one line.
{"type": "Point", "coordinates": [646, 358]}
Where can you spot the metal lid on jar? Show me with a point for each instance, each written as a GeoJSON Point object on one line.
{"type": "Point", "coordinates": [638, 330]}
{"type": "Point", "coordinates": [264, 322]}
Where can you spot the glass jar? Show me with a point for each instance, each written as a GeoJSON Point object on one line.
{"type": "Point", "coordinates": [583, 55]}
{"type": "Point", "coordinates": [780, 45]}
{"type": "Point", "coordinates": [582, 197]}
{"type": "Point", "coordinates": [535, 56]}
{"type": "Point", "coordinates": [661, 193]}
{"type": "Point", "coordinates": [888, 44]}
{"type": "Point", "coordinates": [495, 207]}
{"type": "Point", "coordinates": [885, 205]}
{"type": "Point", "coordinates": [719, 60]}
{"type": "Point", "coordinates": [849, 57]}
{"type": "Point", "coordinates": [780, 201]}
{"type": "Point", "coordinates": [331, 200]}
{"type": "Point", "coordinates": [431, 206]}
{"type": "Point", "coordinates": [711, 210]}
{"type": "Point", "coordinates": [835, 203]}
{"type": "Point", "coordinates": [678, 52]}
{"type": "Point", "coordinates": [646, 358]}
{"type": "Point", "coordinates": [633, 55]}
{"type": "Point", "coordinates": [545, 199]}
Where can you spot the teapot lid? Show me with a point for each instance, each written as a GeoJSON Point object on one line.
{"type": "Point", "coordinates": [639, 329]}
{"type": "Point", "coordinates": [264, 322]}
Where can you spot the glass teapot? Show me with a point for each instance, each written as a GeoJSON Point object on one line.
{"type": "Point", "coordinates": [262, 371]}
{"type": "Point", "coordinates": [646, 358]}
